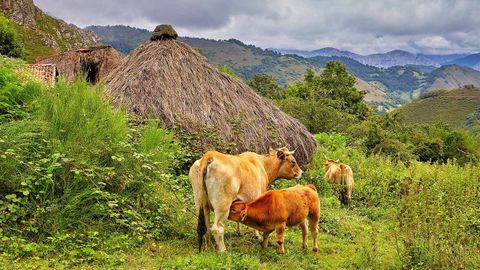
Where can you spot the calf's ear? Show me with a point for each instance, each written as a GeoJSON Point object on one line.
{"type": "Point", "coordinates": [281, 155]}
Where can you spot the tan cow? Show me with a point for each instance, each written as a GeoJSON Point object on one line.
{"type": "Point", "coordinates": [277, 209]}
{"type": "Point", "coordinates": [340, 174]}
{"type": "Point", "coordinates": [219, 179]}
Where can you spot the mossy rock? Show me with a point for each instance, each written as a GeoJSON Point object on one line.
{"type": "Point", "coordinates": [164, 31]}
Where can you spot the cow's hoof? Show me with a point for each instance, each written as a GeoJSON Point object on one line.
{"type": "Point", "coordinates": [315, 249]}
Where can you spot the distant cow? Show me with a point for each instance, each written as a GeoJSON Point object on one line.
{"type": "Point", "coordinates": [277, 209]}
{"type": "Point", "coordinates": [219, 179]}
{"type": "Point", "coordinates": [342, 175]}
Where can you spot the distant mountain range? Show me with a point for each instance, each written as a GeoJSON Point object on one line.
{"type": "Point", "coordinates": [393, 58]}
{"type": "Point", "coordinates": [386, 86]}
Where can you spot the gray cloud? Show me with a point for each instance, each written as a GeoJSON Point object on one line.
{"type": "Point", "coordinates": [436, 26]}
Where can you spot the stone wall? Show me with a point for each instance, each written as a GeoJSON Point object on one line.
{"type": "Point", "coordinates": [44, 72]}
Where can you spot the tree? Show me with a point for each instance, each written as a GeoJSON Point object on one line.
{"type": "Point", "coordinates": [226, 69]}
{"type": "Point", "coordinates": [10, 42]}
{"type": "Point", "coordinates": [334, 87]}
{"type": "Point", "coordinates": [266, 86]}
{"type": "Point", "coordinates": [337, 84]}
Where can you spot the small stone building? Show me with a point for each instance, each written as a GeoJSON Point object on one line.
{"type": "Point", "coordinates": [95, 63]}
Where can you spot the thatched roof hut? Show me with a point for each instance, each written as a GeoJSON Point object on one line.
{"type": "Point", "coordinates": [167, 79]}
{"type": "Point", "coordinates": [93, 62]}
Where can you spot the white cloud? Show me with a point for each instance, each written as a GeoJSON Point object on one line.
{"type": "Point", "coordinates": [360, 26]}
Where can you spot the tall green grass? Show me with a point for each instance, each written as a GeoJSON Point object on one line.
{"type": "Point", "coordinates": [81, 121]}
{"type": "Point", "coordinates": [18, 93]}
{"type": "Point", "coordinates": [440, 216]}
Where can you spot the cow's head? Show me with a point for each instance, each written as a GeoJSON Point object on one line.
{"type": "Point", "coordinates": [289, 167]}
{"type": "Point", "coordinates": [328, 163]}
{"type": "Point", "coordinates": [237, 211]}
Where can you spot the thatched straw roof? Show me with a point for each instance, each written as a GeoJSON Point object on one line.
{"type": "Point", "coordinates": [167, 79]}
{"type": "Point", "coordinates": [94, 62]}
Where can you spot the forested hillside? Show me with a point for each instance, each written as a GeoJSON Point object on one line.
{"type": "Point", "coordinates": [388, 87]}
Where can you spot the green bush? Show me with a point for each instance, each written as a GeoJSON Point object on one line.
{"type": "Point", "coordinates": [10, 43]}
{"type": "Point", "coordinates": [432, 93]}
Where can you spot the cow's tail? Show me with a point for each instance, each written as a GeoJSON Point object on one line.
{"type": "Point", "coordinates": [203, 200]}
{"type": "Point", "coordinates": [343, 174]}
{"type": "Point", "coordinates": [343, 183]}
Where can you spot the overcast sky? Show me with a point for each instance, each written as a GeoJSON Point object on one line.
{"type": "Point", "coordinates": [361, 26]}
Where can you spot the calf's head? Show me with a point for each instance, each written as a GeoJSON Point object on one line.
{"type": "Point", "coordinates": [328, 163]}
{"type": "Point", "coordinates": [289, 167]}
{"type": "Point", "coordinates": [237, 211]}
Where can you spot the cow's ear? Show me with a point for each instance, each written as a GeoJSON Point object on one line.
{"type": "Point", "coordinates": [281, 155]}
{"type": "Point", "coordinates": [271, 151]}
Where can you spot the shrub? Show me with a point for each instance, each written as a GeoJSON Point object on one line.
{"type": "Point", "coordinates": [432, 93]}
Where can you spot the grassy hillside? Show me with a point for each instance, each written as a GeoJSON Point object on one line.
{"type": "Point", "coordinates": [453, 76]}
{"type": "Point", "coordinates": [451, 107]}
{"type": "Point", "coordinates": [42, 34]}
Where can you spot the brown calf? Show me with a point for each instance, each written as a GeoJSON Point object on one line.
{"type": "Point", "coordinates": [277, 209]}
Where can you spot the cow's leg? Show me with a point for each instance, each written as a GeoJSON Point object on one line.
{"type": "Point", "coordinates": [238, 229]}
{"type": "Point", "coordinates": [313, 222]}
{"type": "Point", "coordinates": [221, 214]}
{"type": "Point", "coordinates": [257, 234]}
{"type": "Point", "coordinates": [208, 235]}
{"type": "Point", "coordinates": [343, 196]}
{"type": "Point", "coordinates": [303, 225]}
{"type": "Point", "coordinates": [349, 195]}
{"type": "Point", "coordinates": [280, 230]}
{"type": "Point", "coordinates": [265, 239]}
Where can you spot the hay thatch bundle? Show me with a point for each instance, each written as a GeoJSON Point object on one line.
{"type": "Point", "coordinates": [167, 79]}
{"type": "Point", "coordinates": [164, 31]}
